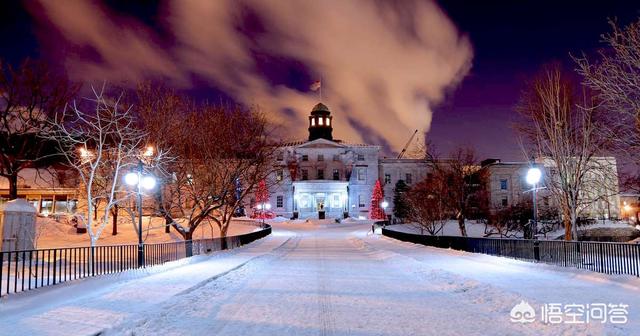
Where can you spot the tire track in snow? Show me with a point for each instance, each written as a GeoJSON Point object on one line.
{"type": "Point", "coordinates": [327, 318]}
{"type": "Point", "coordinates": [217, 290]}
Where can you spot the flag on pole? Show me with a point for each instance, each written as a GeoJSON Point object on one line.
{"type": "Point", "coordinates": [315, 86]}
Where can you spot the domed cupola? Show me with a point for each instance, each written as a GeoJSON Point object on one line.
{"type": "Point", "coordinates": [320, 123]}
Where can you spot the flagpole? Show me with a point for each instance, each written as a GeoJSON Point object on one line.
{"type": "Point", "coordinates": [321, 89]}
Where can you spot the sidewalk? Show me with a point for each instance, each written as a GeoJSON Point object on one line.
{"type": "Point", "coordinates": [90, 305]}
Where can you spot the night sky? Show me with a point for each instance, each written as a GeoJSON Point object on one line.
{"type": "Point", "coordinates": [510, 41]}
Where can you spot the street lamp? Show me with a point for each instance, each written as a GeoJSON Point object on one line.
{"type": "Point", "coordinates": [384, 204]}
{"type": "Point", "coordinates": [140, 181]}
{"type": "Point", "coordinates": [533, 177]}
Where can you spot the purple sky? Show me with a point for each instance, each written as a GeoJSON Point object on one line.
{"type": "Point", "coordinates": [380, 81]}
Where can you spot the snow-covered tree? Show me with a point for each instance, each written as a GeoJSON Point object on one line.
{"type": "Point", "coordinates": [98, 139]}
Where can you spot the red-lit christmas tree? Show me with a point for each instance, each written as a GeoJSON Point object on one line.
{"type": "Point", "coordinates": [262, 198]}
{"type": "Point", "coordinates": [376, 212]}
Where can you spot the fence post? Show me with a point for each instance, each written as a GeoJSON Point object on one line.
{"type": "Point", "coordinates": [601, 257]}
{"type": "Point", "coordinates": [55, 253]}
{"type": "Point", "coordinates": [536, 250]}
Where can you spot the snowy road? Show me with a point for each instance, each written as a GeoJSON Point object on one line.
{"type": "Point", "coordinates": [322, 280]}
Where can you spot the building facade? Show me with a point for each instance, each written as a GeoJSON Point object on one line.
{"type": "Point", "coordinates": [322, 173]}
{"type": "Point", "coordinates": [600, 197]}
{"type": "Point", "coordinates": [52, 190]}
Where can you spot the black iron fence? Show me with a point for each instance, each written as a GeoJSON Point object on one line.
{"type": "Point", "coordinates": [30, 269]}
{"type": "Point", "coordinates": [603, 257]}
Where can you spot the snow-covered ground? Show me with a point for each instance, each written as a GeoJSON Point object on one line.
{"type": "Point", "coordinates": [52, 233]}
{"type": "Point", "coordinates": [450, 228]}
{"type": "Point", "coordinates": [311, 278]}
{"type": "Point", "coordinates": [477, 229]}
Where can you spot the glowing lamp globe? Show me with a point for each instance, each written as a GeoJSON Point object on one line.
{"type": "Point", "coordinates": [384, 204]}
{"type": "Point", "coordinates": [131, 179]}
{"type": "Point", "coordinates": [148, 182]}
{"type": "Point", "coordinates": [267, 206]}
{"type": "Point", "coordinates": [533, 176]}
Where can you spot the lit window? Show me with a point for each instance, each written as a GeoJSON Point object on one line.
{"type": "Point", "coordinates": [313, 121]}
{"type": "Point", "coordinates": [362, 174]}
{"type": "Point", "coordinates": [328, 122]}
{"type": "Point", "coordinates": [320, 121]}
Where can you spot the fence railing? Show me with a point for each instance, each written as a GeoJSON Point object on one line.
{"type": "Point", "coordinates": [603, 257]}
{"type": "Point", "coordinates": [30, 269]}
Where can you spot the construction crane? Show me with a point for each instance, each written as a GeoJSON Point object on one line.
{"type": "Point", "coordinates": [404, 150]}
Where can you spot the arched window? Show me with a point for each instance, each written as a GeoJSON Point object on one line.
{"type": "Point", "coordinates": [320, 121]}
{"type": "Point", "coordinates": [313, 121]}
{"type": "Point", "coordinates": [328, 121]}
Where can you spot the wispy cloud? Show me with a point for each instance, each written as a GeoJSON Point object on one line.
{"type": "Point", "coordinates": [383, 64]}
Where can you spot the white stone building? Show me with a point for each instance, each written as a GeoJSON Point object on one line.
{"type": "Point", "coordinates": [600, 196]}
{"type": "Point", "coordinates": [333, 175]}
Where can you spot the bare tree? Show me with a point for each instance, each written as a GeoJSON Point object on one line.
{"type": "Point", "coordinates": [161, 111]}
{"type": "Point", "coordinates": [99, 141]}
{"type": "Point", "coordinates": [464, 184]}
{"type": "Point", "coordinates": [509, 222]}
{"type": "Point", "coordinates": [428, 208]}
{"type": "Point", "coordinates": [30, 95]}
{"type": "Point", "coordinates": [561, 132]}
{"type": "Point", "coordinates": [615, 78]}
{"type": "Point", "coordinates": [215, 147]}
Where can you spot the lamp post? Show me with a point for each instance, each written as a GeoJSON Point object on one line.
{"type": "Point", "coordinates": [384, 204]}
{"type": "Point", "coordinates": [345, 206]}
{"type": "Point", "coordinates": [533, 177]}
{"type": "Point", "coordinates": [140, 181]}
{"type": "Point", "coordinates": [267, 206]}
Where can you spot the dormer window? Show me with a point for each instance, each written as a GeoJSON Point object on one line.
{"type": "Point", "coordinates": [320, 121]}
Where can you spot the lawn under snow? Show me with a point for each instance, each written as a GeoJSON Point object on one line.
{"type": "Point", "coordinates": [311, 278]}
{"type": "Point", "coordinates": [51, 233]}
{"type": "Point", "coordinates": [477, 229]}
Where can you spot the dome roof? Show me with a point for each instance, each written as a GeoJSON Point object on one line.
{"type": "Point", "coordinates": [320, 107]}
